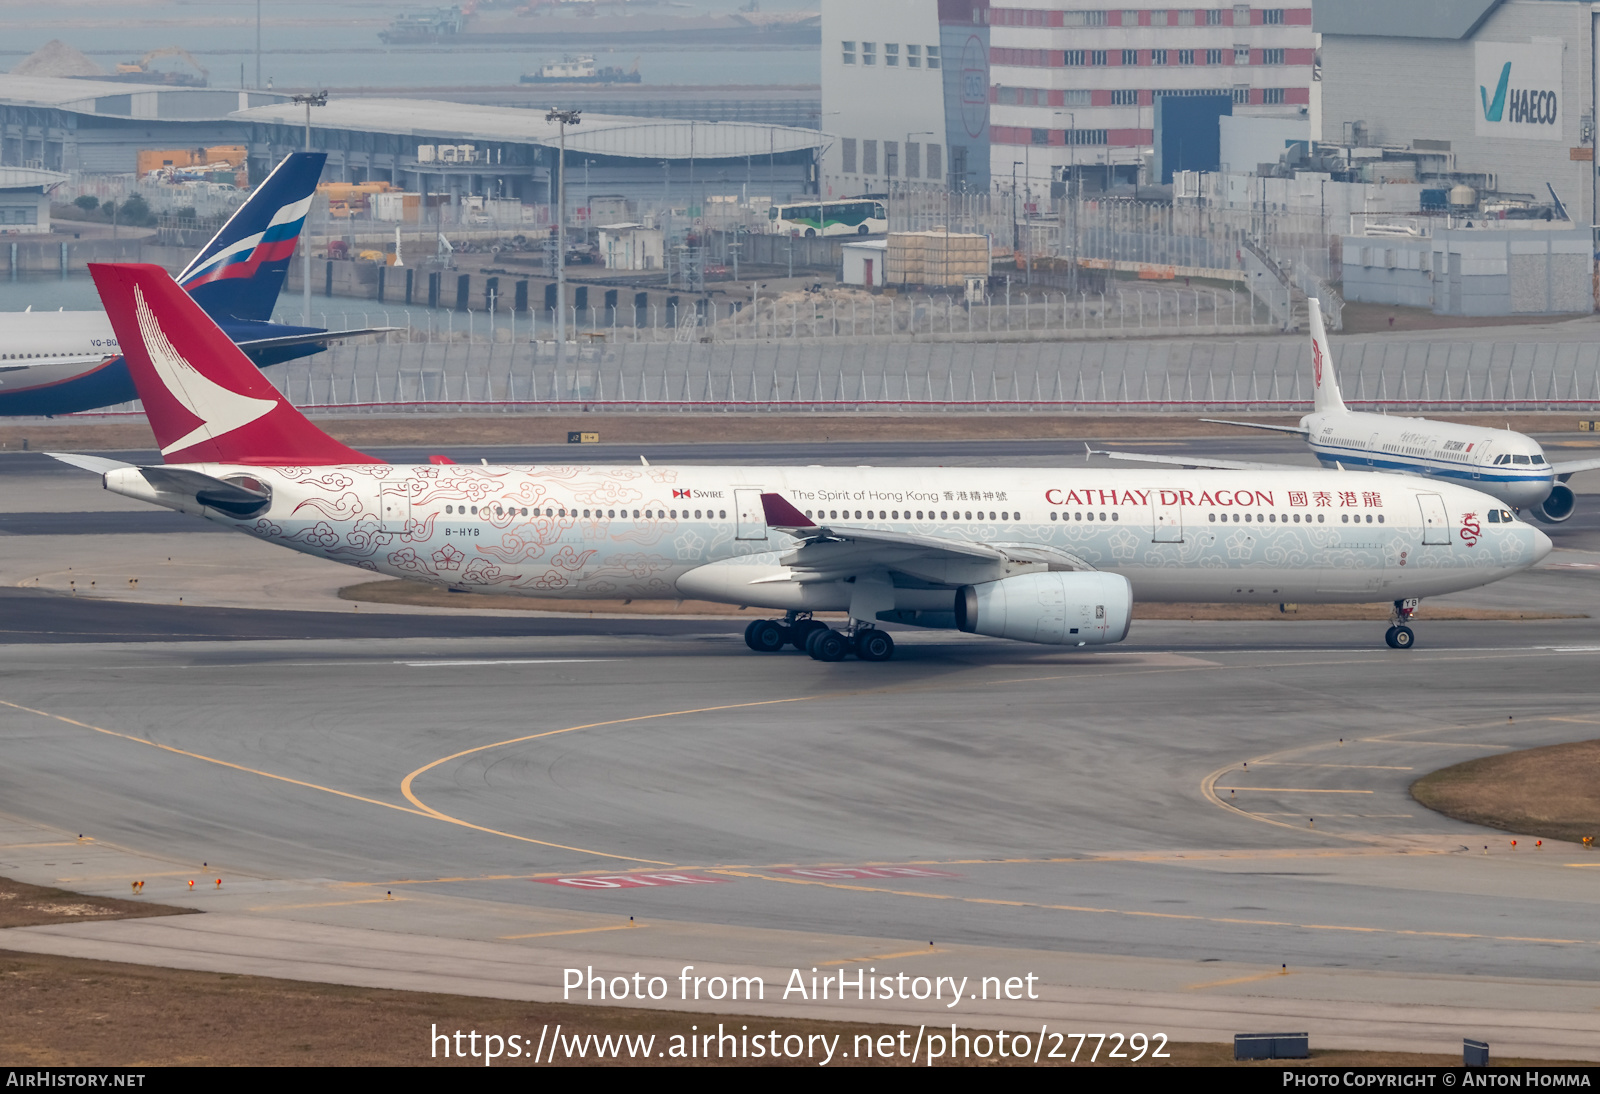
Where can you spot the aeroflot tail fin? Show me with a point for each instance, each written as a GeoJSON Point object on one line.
{"type": "Point", "coordinates": [206, 402]}
{"type": "Point", "coordinates": [239, 274]}
{"type": "Point", "coordinates": [1325, 384]}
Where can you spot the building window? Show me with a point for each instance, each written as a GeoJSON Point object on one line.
{"type": "Point", "coordinates": [1272, 96]}
{"type": "Point", "coordinates": [1083, 18]}
{"type": "Point", "coordinates": [1158, 18]}
{"type": "Point", "coordinates": [1077, 97]}
{"type": "Point", "coordinates": [1097, 57]}
{"type": "Point", "coordinates": [869, 53]}
{"type": "Point", "coordinates": [1084, 136]}
{"type": "Point", "coordinates": [913, 160]}
{"type": "Point", "coordinates": [1213, 17]}
{"type": "Point", "coordinates": [869, 157]}
{"type": "Point", "coordinates": [1241, 55]}
{"type": "Point", "coordinates": [1125, 97]}
{"type": "Point", "coordinates": [933, 56]}
{"type": "Point", "coordinates": [1130, 56]}
{"type": "Point", "coordinates": [1130, 18]}
{"type": "Point", "coordinates": [935, 164]}
{"type": "Point", "coordinates": [1186, 56]}
{"type": "Point", "coordinates": [1272, 56]}
{"type": "Point", "coordinates": [1040, 136]}
{"type": "Point", "coordinates": [891, 54]}
{"type": "Point", "coordinates": [1241, 15]}
{"type": "Point", "coordinates": [1072, 58]}
{"type": "Point", "coordinates": [891, 158]}
{"type": "Point", "coordinates": [1186, 17]}
{"type": "Point", "coordinates": [1158, 56]}
{"type": "Point", "coordinates": [849, 52]}
{"type": "Point", "coordinates": [1272, 17]}
{"type": "Point", "coordinates": [913, 56]}
{"type": "Point", "coordinates": [1241, 93]}
{"type": "Point", "coordinates": [847, 155]}
{"type": "Point", "coordinates": [1213, 56]}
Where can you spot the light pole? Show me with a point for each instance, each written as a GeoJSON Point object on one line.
{"type": "Point", "coordinates": [905, 158]}
{"type": "Point", "coordinates": [319, 98]}
{"type": "Point", "coordinates": [1015, 239]}
{"type": "Point", "coordinates": [563, 118]}
{"type": "Point", "coordinates": [1071, 136]}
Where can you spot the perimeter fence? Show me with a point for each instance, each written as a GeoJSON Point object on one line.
{"type": "Point", "coordinates": [1149, 376]}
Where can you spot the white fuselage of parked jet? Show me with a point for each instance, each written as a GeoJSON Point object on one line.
{"type": "Point", "coordinates": [47, 347]}
{"type": "Point", "coordinates": [582, 532]}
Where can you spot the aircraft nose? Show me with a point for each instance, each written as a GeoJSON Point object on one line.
{"type": "Point", "coordinates": [1542, 545]}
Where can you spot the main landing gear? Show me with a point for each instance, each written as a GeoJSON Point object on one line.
{"type": "Point", "coordinates": [821, 641]}
{"type": "Point", "coordinates": [1400, 636]}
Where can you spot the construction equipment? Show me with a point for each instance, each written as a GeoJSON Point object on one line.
{"type": "Point", "coordinates": [140, 71]}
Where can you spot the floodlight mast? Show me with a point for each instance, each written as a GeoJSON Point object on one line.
{"type": "Point", "coordinates": [316, 98]}
{"type": "Point", "coordinates": [563, 118]}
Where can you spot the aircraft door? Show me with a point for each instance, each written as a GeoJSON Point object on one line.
{"type": "Point", "coordinates": [752, 517]}
{"type": "Point", "coordinates": [1166, 516]}
{"type": "Point", "coordinates": [1374, 446]}
{"type": "Point", "coordinates": [1435, 521]}
{"type": "Point", "coordinates": [394, 504]}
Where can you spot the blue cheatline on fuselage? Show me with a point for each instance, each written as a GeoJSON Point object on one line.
{"type": "Point", "coordinates": [1464, 472]}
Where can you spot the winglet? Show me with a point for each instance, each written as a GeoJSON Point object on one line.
{"type": "Point", "coordinates": [780, 514]}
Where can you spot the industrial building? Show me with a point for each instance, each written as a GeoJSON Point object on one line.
{"type": "Point", "coordinates": [1050, 84]}
{"type": "Point", "coordinates": [1503, 90]}
{"type": "Point", "coordinates": [25, 199]}
{"type": "Point", "coordinates": [88, 126]}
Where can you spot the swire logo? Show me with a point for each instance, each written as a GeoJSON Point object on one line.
{"type": "Point", "coordinates": [1493, 111]}
{"type": "Point", "coordinates": [681, 493]}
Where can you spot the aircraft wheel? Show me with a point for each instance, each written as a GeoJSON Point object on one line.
{"type": "Point", "coordinates": [874, 645]}
{"type": "Point", "coordinates": [1404, 638]}
{"type": "Point", "coordinates": [1388, 638]}
{"type": "Point", "coordinates": [827, 645]}
{"type": "Point", "coordinates": [802, 630]}
{"type": "Point", "coordinates": [749, 634]}
{"type": "Point", "coordinates": [767, 636]}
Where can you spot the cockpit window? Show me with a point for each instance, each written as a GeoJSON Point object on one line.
{"type": "Point", "coordinates": [1537, 458]}
{"type": "Point", "coordinates": [1520, 459]}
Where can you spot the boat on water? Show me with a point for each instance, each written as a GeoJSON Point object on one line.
{"type": "Point", "coordinates": [581, 70]}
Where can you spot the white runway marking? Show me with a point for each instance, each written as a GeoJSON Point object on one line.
{"type": "Point", "coordinates": [542, 661]}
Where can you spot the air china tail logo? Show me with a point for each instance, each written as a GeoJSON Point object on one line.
{"type": "Point", "coordinates": [1316, 361]}
{"type": "Point", "coordinates": [682, 493]}
{"type": "Point", "coordinates": [220, 410]}
{"type": "Point", "coordinates": [1470, 529]}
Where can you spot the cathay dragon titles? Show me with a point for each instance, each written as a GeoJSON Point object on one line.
{"type": "Point", "coordinates": [1050, 556]}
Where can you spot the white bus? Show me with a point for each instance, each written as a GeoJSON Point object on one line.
{"type": "Point", "coordinates": [829, 218]}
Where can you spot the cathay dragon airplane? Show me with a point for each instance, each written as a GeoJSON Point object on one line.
{"type": "Point", "coordinates": [1503, 464]}
{"type": "Point", "coordinates": [1054, 556]}
{"type": "Point", "coordinates": [63, 362]}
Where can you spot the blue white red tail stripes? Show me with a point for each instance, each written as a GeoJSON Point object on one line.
{"type": "Point", "coordinates": [239, 274]}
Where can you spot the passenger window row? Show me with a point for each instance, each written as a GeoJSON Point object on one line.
{"type": "Point", "coordinates": [895, 514]}
{"type": "Point", "coordinates": [649, 514]}
{"type": "Point", "coordinates": [1085, 516]}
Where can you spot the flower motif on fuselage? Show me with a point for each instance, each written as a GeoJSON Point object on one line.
{"type": "Point", "coordinates": [569, 559]}
{"type": "Point", "coordinates": [662, 475]}
{"type": "Point", "coordinates": [406, 560]}
{"type": "Point", "coordinates": [320, 534]}
{"type": "Point", "coordinates": [448, 558]}
{"type": "Point", "coordinates": [1241, 545]}
{"type": "Point", "coordinates": [690, 546]}
{"type": "Point", "coordinates": [1124, 544]}
{"type": "Point", "coordinates": [1510, 550]}
{"type": "Point", "coordinates": [344, 507]}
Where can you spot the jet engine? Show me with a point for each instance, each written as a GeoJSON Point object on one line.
{"type": "Point", "coordinates": [1558, 506]}
{"type": "Point", "coordinates": [1061, 609]}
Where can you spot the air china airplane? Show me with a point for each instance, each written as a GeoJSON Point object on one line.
{"type": "Point", "coordinates": [1052, 556]}
{"type": "Point", "coordinates": [63, 362]}
{"type": "Point", "coordinates": [1503, 464]}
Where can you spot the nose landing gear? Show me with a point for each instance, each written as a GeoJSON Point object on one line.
{"type": "Point", "coordinates": [1400, 636]}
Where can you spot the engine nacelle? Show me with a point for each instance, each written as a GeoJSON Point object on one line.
{"type": "Point", "coordinates": [1059, 609]}
{"type": "Point", "coordinates": [1558, 506]}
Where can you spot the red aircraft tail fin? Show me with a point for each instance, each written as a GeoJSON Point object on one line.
{"type": "Point", "coordinates": [206, 401]}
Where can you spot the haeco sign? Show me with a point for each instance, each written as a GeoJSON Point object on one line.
{"type": "Point", "coordinates": [1518, 90]}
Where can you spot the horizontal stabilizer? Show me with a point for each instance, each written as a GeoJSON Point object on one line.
{"type": "Point", "coordinates": [98, 464]}
{"type": "Point", "coordinates": [1194, 461]}
{"type": "Point", "coordinates": [1299, 431]}
{"type": "Point", "coordinates": [229, 497]}
{"type": "Point", "coordinates": [309, 339]}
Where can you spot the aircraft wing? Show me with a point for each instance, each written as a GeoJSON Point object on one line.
{"type": "Point", "coordinates": [1195, 461]}
{"type": "Point", "coordinates": [308, 339]}
{"type": "Point", "coordinates": [1572, 467]}
{"type": "Point", "coordinates": [1295, 429]}
{"type": "Point", "coordinates": [829, 552]}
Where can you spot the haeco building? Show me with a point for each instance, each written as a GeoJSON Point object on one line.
{"type": "Point", "coordinates": [959, 91]}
